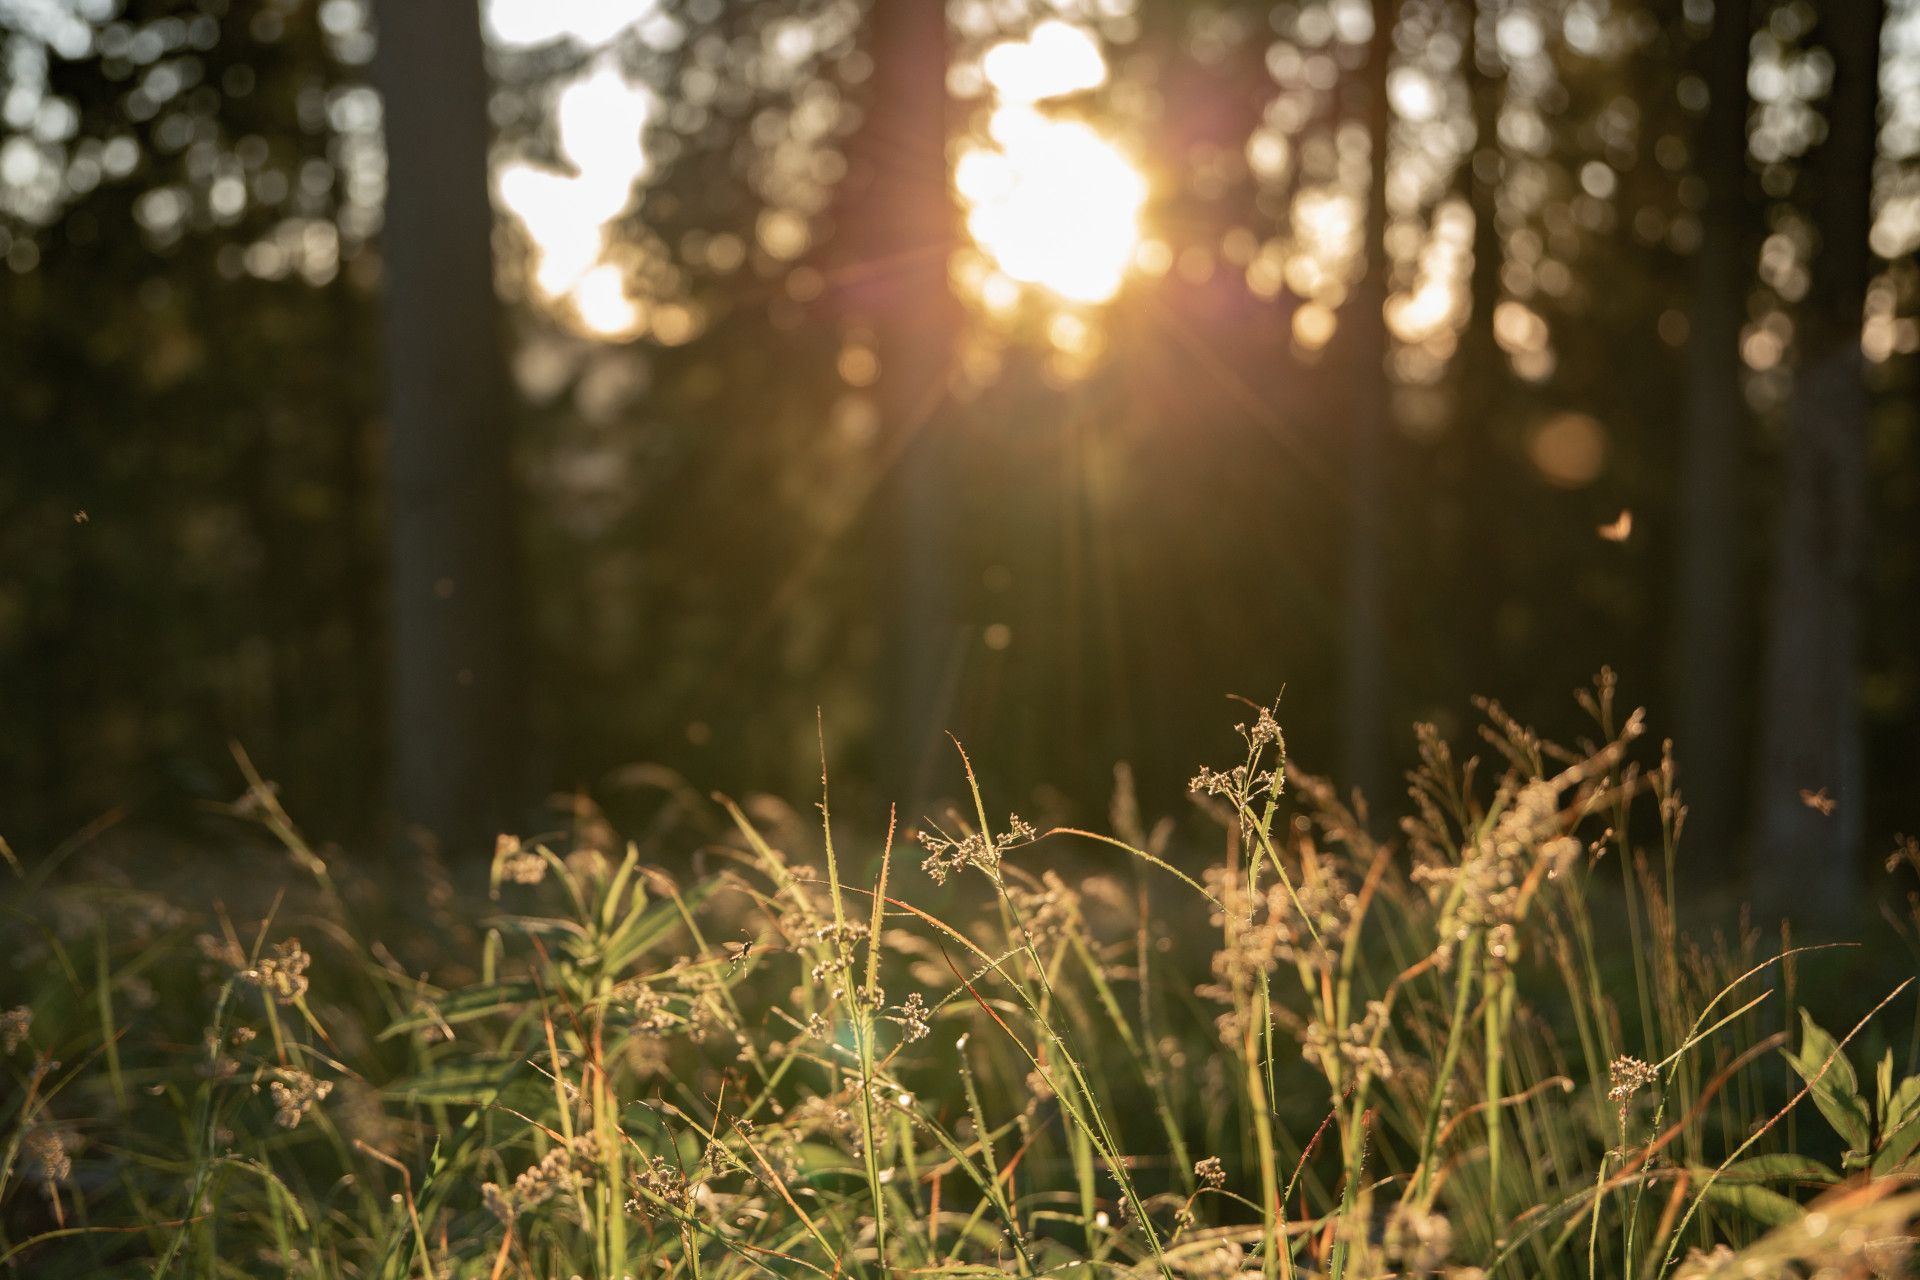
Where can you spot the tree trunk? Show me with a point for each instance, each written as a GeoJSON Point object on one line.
{"type": "Point", "coordinates": [1806, 860]}
{"type": "Point", "coordinates": [1368, 437]}
{"type": "Point", "coordinates": [900, 227]}
{"type": "Point", "coordinates": [1710, 653]}
{"type": "Point", "coordinates": [458, 661]}
{"type": "Point", "coordinates": [1480, 375]}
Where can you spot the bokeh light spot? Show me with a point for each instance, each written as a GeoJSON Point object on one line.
{"type": "Point", "coordinates": [1569, 450]}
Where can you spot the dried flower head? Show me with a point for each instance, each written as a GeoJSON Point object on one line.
{"type": "Point", "coordinates": [664, 1179]}
{"type": "Point", "coordinates": [1048, 911]}
{"type": "Point", "coordinates": [1212, 1174]}
{"type": "Point", "coordinates": [51, 1150]}
{"type": "Point", "coordinates": [1502, 947]}
{"type": "Point", "coordinates": [1222, 1261]}
{"type": "Point", "coordinates": [1357, 1047]}
{"type": "Point", "coordinates": [652, 1015]}
{"type": "Point", "coordinates": [912, 1017]}
{"type": "Point", "coordinates": [948, 854]}
{"type": "Point", "coordinates": [555, 1173]}
{"type": "Point", "coordinates": [499, 1203]}
{"type": "Point", "coordinates": [295, 1093]}
{"type": "Point", "coordinates": [1259, 776]}
{"type": "Point", "coordinates": [1559, 854]}
{"type": "Point", "coordinates": [517, 863]}
{"type": "Point", "coordinates": [1418, 1241]}
{"type": "Point", "coordinates": [1486, 887]}
{"type": "Point", "coordinates": [1282, 925]}
{"type": "Point", "coordinates": [1629, 1075]}
{"type": "Point", "coordinates": [282, 972]}
{"type": "Point", "coordinates": [838, 941]}
{"type": "Point", "coordinates": [15, 1023]}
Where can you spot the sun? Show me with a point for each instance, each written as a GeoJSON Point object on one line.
{"type": "Point", "coordinates": [1052, 202]}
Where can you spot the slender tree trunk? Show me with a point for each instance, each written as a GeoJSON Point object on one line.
{"type": "Point", "coordinates": [900, 228]}
{"type": "Point", "coordinates": [1478, 573]}
{"type": "Point", "coordinates": [1710, 653]}
{"type": "Point", "coordinates": [362, 576]}
{"type": "Point", "coordinates": [1806, 861]}
{"type": "Point", "coordinates": [1368, 438]}
{"type": "Point", "coordinates": [458, 703]}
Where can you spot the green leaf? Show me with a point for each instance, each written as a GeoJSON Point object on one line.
{"type": "Point", "coordinates": [646, 926]}
{"type": "Point", "coordinates": [1902, 1109]}
{"type": "Point", "coordinates": [538, 926]}
{"type": "Point", "coordinates": [1783, 1166]}
{"type": "Point", "coordinates": [474, 1081]}
{"type": "Point", "coordinates": [611, 903]}
{"type": "Point", "coordinates": [1897, 1149]}
{"type": "Point", "coordinates": [1835, 1089]}
{"type": "Point", "coordinates": [1762, 1204]}
{"type": "Point", "coordinates": [466, 1005]}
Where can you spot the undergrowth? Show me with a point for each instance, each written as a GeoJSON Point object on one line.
{"type": "Point", "coordinates": [1483, 1047]}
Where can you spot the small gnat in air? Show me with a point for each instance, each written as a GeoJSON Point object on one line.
{"type": "Point", "coordinates": [1819, 801]}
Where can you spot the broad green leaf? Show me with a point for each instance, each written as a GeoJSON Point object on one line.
{"type": "Point", "coordinates": [1835, 1089]}
{"type": "Point", "coordinates": [1903, 1108]}
{"type": "Point", "coordinates": [1783, 1166]}
{"type": "Point", "coordinates": [1762, 1204]}
{"type": "Point", "coordinates": [1898, 1149]}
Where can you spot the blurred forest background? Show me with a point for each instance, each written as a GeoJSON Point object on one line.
{"type": "Point", "coordinates": [457, 407]}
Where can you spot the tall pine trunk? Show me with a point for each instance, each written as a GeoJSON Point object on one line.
{"type": "Point", "coordinates": [1806, 861]}
{"type": "Point", "coordinates": [1480, 374]}
{"type": "Point", "coordinates": [457, 699]}
{"type": "Point", "coordinates": [1711, 609]}
{"type": "Point", "coordinates": [899, 228]}
{"type": "Point", "coordinates": [1368, 438]}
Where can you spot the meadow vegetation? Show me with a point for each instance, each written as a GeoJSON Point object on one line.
{"type": "Point", "coordinates": [961, 1044]}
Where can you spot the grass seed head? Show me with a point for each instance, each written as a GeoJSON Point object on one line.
{"type": "Point", "coordinates": [15, 1025]}
{"type": "Point", "coordinates": [295, 1093]}
{"type": "Point", "coordinates": [51, 1149]}
{"type": "Point", "coordinates": [282, 972]}
{"type": "Point", "coordinates": [518, 864]}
